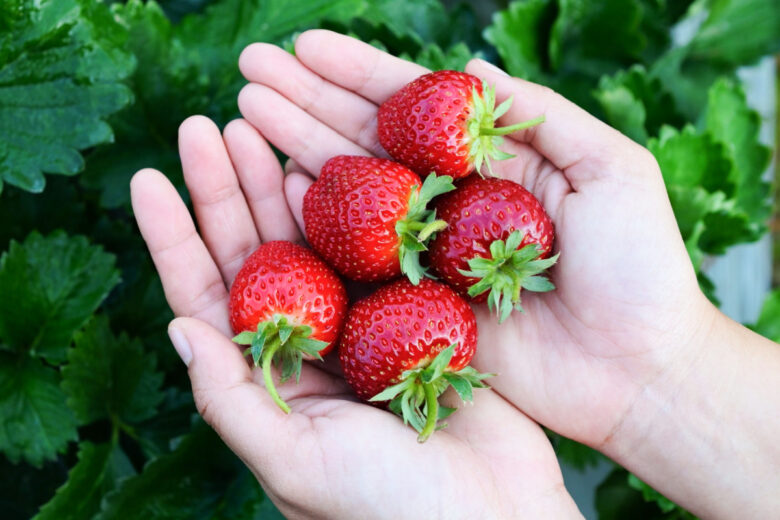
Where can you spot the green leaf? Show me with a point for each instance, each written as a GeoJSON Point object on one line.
{"type": "Point", "coordinates": [688, 158]}
{"type": "Point", "coordinates": [616, 500]}
{"type": "Point", "coordinates": [521, 34]}
{"type": "Point", "coordinates": [51, 286]}
{"type": "Point", "coordinates": [62, 66]}
{"type": "Point", "coordinates": [651, 495]}
{"type": "Point", "coordinates": [245, 500]}
{"type": "Point", "coordinates": [35, 424]}
{"type": "Point", "coordinates": [97, 471]}
{"type": "Point", "coordinates": [768, 324]}
{"type": "Point", "coordinates": [636, 104]}
{"type": "Point", "coordinates": [434, 58]}
{"type": "Point", "coordinates": [738, 32]}
{"type": "Point", "coordinates": [575, 454]}
{"type": "Point", "coordinates": [733, 124]}
{"type": "Point", "coordinates": [596, 37]}
{"type": "Point", "coordinates": [110, 377]}
{"type": "Point", "coordinates": [189, 482]}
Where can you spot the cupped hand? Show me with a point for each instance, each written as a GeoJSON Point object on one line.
{"type": "Point", "coordinates": [627, 309]}
{"type": "Point", "coordinates": [332, 457]}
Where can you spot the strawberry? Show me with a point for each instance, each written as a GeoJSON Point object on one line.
{"type": "Point", "coordinates": [407, 343]}
{"type": "Point", "coordinates": [444, 122]}
{"type": "Point", "coordinates": [368, 217]}
{"type": "Point", "coordinates": [286, 304]}
{"type": "Point", "coordinates": [497, 241]}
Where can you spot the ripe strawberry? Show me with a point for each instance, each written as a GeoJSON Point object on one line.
{"type": "Point", "coordinates": [287, 304]}
{"type": "Point", "coordinates": [367, 217]}
{"type": "Point", "coordinates": [444, 122]}
{"type": "Point", "coordinates": [407, 344]}
{"type": "Point", "coordinates": [497, 242]}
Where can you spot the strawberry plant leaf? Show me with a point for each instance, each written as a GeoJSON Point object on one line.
{"type": "Point", "coordinates": [190, 482]}
{"type": "Point", "coordinates": [35, 424]}
{"type": "Point", "coordinates": [768, 324]}
{"type": "Point", "coordinates": [110, 376]}
{"type": "Point", "coordinates": [732, 123]}
{"type": "Point", "coordinates": [521, 34]}
{"type": "Point", "coordinates": [62, 67]}
{"type": "Point", "coordinates": [434, 58]}
{"type": "Point", "coordinates": [738, 31]}
{"type": "Point", "coordinates": [98, 469]}
{"type": "Point", "coordinates": [51, 286]}
{"type": "Point", "coordinates": [637, 104]}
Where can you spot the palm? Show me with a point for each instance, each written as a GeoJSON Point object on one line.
{"type": "Point", "coordinates": [584, 346]}
{"type": "Point", "coordinates": [333, 455]}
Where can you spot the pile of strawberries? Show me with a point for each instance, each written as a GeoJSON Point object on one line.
{"type": "Point", "coordinates": [377, 221]}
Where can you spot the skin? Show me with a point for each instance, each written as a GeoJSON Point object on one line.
{"type": "Point", "coordinates": [626, 355]}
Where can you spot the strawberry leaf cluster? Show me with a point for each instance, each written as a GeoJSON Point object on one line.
{"type": "Point", "coordinates": [96, 419]}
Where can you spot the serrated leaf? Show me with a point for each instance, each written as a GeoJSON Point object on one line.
{"type": "Point", "coordinates": [110, 376]}
{"type": "Point", "coordinates": [733, 124]}
{"type": "Point", "coordinates": [651, 495]}
{"type": "Point", "coordinates": [62, 66]}
{"type": "Point", "coordinates": [50, 286]}
{"type": "Point", "coordinates": [689, 158]}
{"type": "Point", "coordinates": [35, 424]}
{"type": "Point", "coordinates": [189, 482]}
{"type": "Point", "coordinates": [97, 471]}
{"type": "Point", "coordinates": [636, 103]}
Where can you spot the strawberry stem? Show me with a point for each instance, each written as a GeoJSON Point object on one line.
{"type": "Point", "coordinates": [431, 410]}
{"type": "Point", "coordinates": [505, 130]}
{"type": "Point", "coordinates": [277, 341]}
{"type": "Point", "coordinates": [485, 138]}
{"type": "Point", "coordinates": [268, 357]}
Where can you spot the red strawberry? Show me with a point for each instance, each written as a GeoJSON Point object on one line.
{"type": "Point", "coordinates": [497, 242]}
{"type": "Point", "coordinates": [367, 217]}
{"type": "Point", "coordinates": [444, 122]}
{"type": "Point", "coordinates": [407, 344]}
{"type": "Point", "coordinates": [287, 304]}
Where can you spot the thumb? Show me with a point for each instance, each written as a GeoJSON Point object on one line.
{"type": "Point", "coordinates": [238, 409]}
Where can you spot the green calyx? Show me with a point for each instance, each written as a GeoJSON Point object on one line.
{"type": "Point", "coordinates": [485, 137]}
{"type": "Point", "coordinates": [416, 398]}
{"type": "Point", "coordinates": [281, 343]}
{"type": "Point", "coordinates": [420, 225]}
{"type": "Point", "coordinates": [507, 272]}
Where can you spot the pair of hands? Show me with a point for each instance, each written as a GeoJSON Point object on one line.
{"type": "Point", "coordinates": [627, 309]}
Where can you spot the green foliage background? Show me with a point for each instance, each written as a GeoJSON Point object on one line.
{"type": "Point", "coordinates": [96, 419]}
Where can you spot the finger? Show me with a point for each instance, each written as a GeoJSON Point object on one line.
{"type": "Point", "coordinates": [295, 186]}
{"type": "Point", "coordinates": [297, 134]}
{"type": "Point", "coordinates": [347, 113]}
{"type": "Point", "coordinates": [262, 182]}
{"type": "Point", "coordinates": [290, 166]}
{"type": "Point", "coordinates": [223, 215]}
{"type": "Point", "coordinates": [190, 278]}
{"type": "Point", "coordinates": [240, 410]}
{"type": "Point", "coordinates": [569, 135]}
{"type": "Point", "coordinates": [354, 65]}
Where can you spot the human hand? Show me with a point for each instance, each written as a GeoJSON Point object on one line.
{"type": "Point", "coordinates": [627, 305]}
{"type": "Point", "coordinates": [333, 457]}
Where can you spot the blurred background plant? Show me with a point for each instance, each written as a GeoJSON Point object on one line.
{"type": "Point", "coordinates": [96, 419]}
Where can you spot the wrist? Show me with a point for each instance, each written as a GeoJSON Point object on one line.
{"type": "Point", "coordinates": [701, 432]}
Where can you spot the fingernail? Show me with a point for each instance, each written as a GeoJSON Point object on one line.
{"type": "Point", "coordinates": [181, 344]}
{"type": "Point", "coordinates": [492, 67]}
